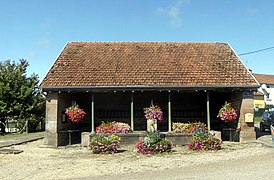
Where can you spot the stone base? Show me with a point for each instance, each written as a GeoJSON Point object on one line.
{"type": "Point", "coordinates": [85, 138]}
{"type": "Point", "coordinates": [247, 136]}
{"type": "Point", "coordinates": [50, 139]}
{"type": "Point", "coordinates": [179, 139]}
{"type": "Point", "coordinates": [217, 134]}
{"type": "Point", "coordinates": [133, 137]}
{"type": "Point", "coordinates": [151, 125]}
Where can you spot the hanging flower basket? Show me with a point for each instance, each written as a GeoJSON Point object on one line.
{"type": "Point", "coordinates": [75, 114]}
{"type": "Point", "coordinates": [227, 113]}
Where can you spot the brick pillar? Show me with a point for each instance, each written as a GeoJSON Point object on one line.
{"type": "Point", "coordinates": [247, 129]}
{"type": "Point", "coordinates": [51, 135]}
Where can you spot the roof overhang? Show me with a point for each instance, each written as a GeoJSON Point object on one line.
{"type": "Point", "coordinates": [146, 88]}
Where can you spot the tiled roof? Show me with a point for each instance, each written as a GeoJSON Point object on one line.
{"type": "Point", "coordinates": [258, 93]}
{"type": "Point", "coordinates": [264, 78]}
{"type": "Point", "coordinates": [148, 64]}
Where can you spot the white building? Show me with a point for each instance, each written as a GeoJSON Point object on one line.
{"type": "Point", "coordinates": [267, 87]}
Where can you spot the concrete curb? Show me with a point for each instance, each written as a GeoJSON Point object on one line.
{"type": "Point", "coordinates": [266, 141]}
{"type": "Point", "coordinates": [6, 142]}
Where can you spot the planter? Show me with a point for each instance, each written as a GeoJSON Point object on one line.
{"type": "Point", "coordinates": [151, 125]}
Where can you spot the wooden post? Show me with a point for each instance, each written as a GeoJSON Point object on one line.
{"type": "Point", "coordinates": [169, 112]}
{"type": "Point", "coordinates": [208, 111]}
{"type": "Point", "coordinates": [132, 112]}
{"type": "Point", "coordinates": [92, 112]}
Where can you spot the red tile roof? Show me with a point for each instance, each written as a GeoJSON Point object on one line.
{"type": "Point", "coordinates": [264, 78]}
{"type": "Point", "coordinates": [148, 64]}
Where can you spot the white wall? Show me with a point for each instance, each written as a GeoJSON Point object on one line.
{"type": "Point", "coordinates": [270, 89]}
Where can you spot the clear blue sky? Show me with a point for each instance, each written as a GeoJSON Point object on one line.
{"type": "Point", "coordinates": [37, 30]}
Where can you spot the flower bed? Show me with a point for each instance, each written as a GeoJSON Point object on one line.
{"type": "Point", "coordinates": [189, 127]}
{"type": "Point", "coordinates": [113, 127]}
{"type": "Point", "coordinates": [180, 127]}
{"type": "Point", "coordinates": [103, 144]}
{"type": "Point", "coordinates": [197, 127]}
{"type": "Point", "coordinates": [153, 144]}
{"type": "Point", "coordinates": [204, 141]}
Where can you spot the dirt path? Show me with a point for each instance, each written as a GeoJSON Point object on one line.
{"type": "Point", "coordinates": [249, 168]}
{"type": "Point", "coordinates": [37, 162]}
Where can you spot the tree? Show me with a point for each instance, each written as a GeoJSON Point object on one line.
{"type": "Point", "coordinates": [20, 96]}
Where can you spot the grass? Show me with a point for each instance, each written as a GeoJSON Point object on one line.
{"type": "Point", "coordinates": [257, 120]}
{"type": "Point", "coordinates": [14, 135]}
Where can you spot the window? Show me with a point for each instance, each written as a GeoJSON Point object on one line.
{"type": "Point", "coordinates": [265, 115]}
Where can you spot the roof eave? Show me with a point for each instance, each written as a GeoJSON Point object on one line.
{"type": "Point", "coordinates": [146, 88]}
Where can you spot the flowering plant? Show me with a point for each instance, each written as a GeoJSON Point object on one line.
{"type": "Point", "coordinates": [103, 144]}
{"type": "Point", "coordinates": [75, 114]}
{"type": "Point", "coordinates": [204, 141]}
{"type": "Point", "coordinates": [197, 127]}
{"type": "Point", "coordinates": [153, 144]}
{"type": "Point", "coordinates": [113, 127]}
{"type": "Point", "coordinates": [227, 113]}
{"type": "Point", "coordinates": [189, 127]}
{"type": "Point", "coordinates": [153, 113]}
{"type": "Point", "coordinates": [178, 127]}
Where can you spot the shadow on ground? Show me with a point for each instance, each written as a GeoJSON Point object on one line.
{"type": "Point", "coordinates": [259, 133]}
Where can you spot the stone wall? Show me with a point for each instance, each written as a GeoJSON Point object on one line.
{"type": "Point", "coordinates": [51, 135]}
{"type": "Point", "coordinates": [132, 138]}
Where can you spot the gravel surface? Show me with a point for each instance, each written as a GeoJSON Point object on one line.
{"type": "Point", "coordinates": [38, 162]}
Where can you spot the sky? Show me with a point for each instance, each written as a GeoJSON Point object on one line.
{"type": "Point", "coordinates": [38, 30]}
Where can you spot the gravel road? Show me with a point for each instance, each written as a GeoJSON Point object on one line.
{"type": "Point", "coordinates": [38, 162]}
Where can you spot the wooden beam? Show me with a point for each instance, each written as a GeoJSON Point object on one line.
{"type": "Point", "coordinates": [169, 112]}
{"type": "Point", "coordinates": [208, 111]}
{"type": "Point", "coordinates": [92, 112]}
{"type": "Point", "coordinates": [132, 112]}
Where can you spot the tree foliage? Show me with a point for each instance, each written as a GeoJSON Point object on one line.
{"type": "Point", "coordinates": [20, 96]}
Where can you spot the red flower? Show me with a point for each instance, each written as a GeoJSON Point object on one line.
{"type": "Point", "coordinates": [75, 114]}
{"type": "Point", "coordinates": [227, 113]}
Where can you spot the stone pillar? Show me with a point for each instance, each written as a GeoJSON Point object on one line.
{"type": "Point", "coordinates": [247, 129]}
{"type": "Point", "coordinates": [51, 135]}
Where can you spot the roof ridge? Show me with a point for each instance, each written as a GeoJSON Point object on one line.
{"type": "Point", "coordinates": [156, 42]}
{"type": "Point", "coordinates": [263, 74]}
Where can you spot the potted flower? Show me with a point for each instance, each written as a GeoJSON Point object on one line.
{"type": "Point", "coordinates": [153, 143]}
{"type": "Point", "coordinates": [75, 114]}
{"type": "Point", "coordinates": [227, 113]}
{"type": "Point", "coordinates": [152, 115]}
